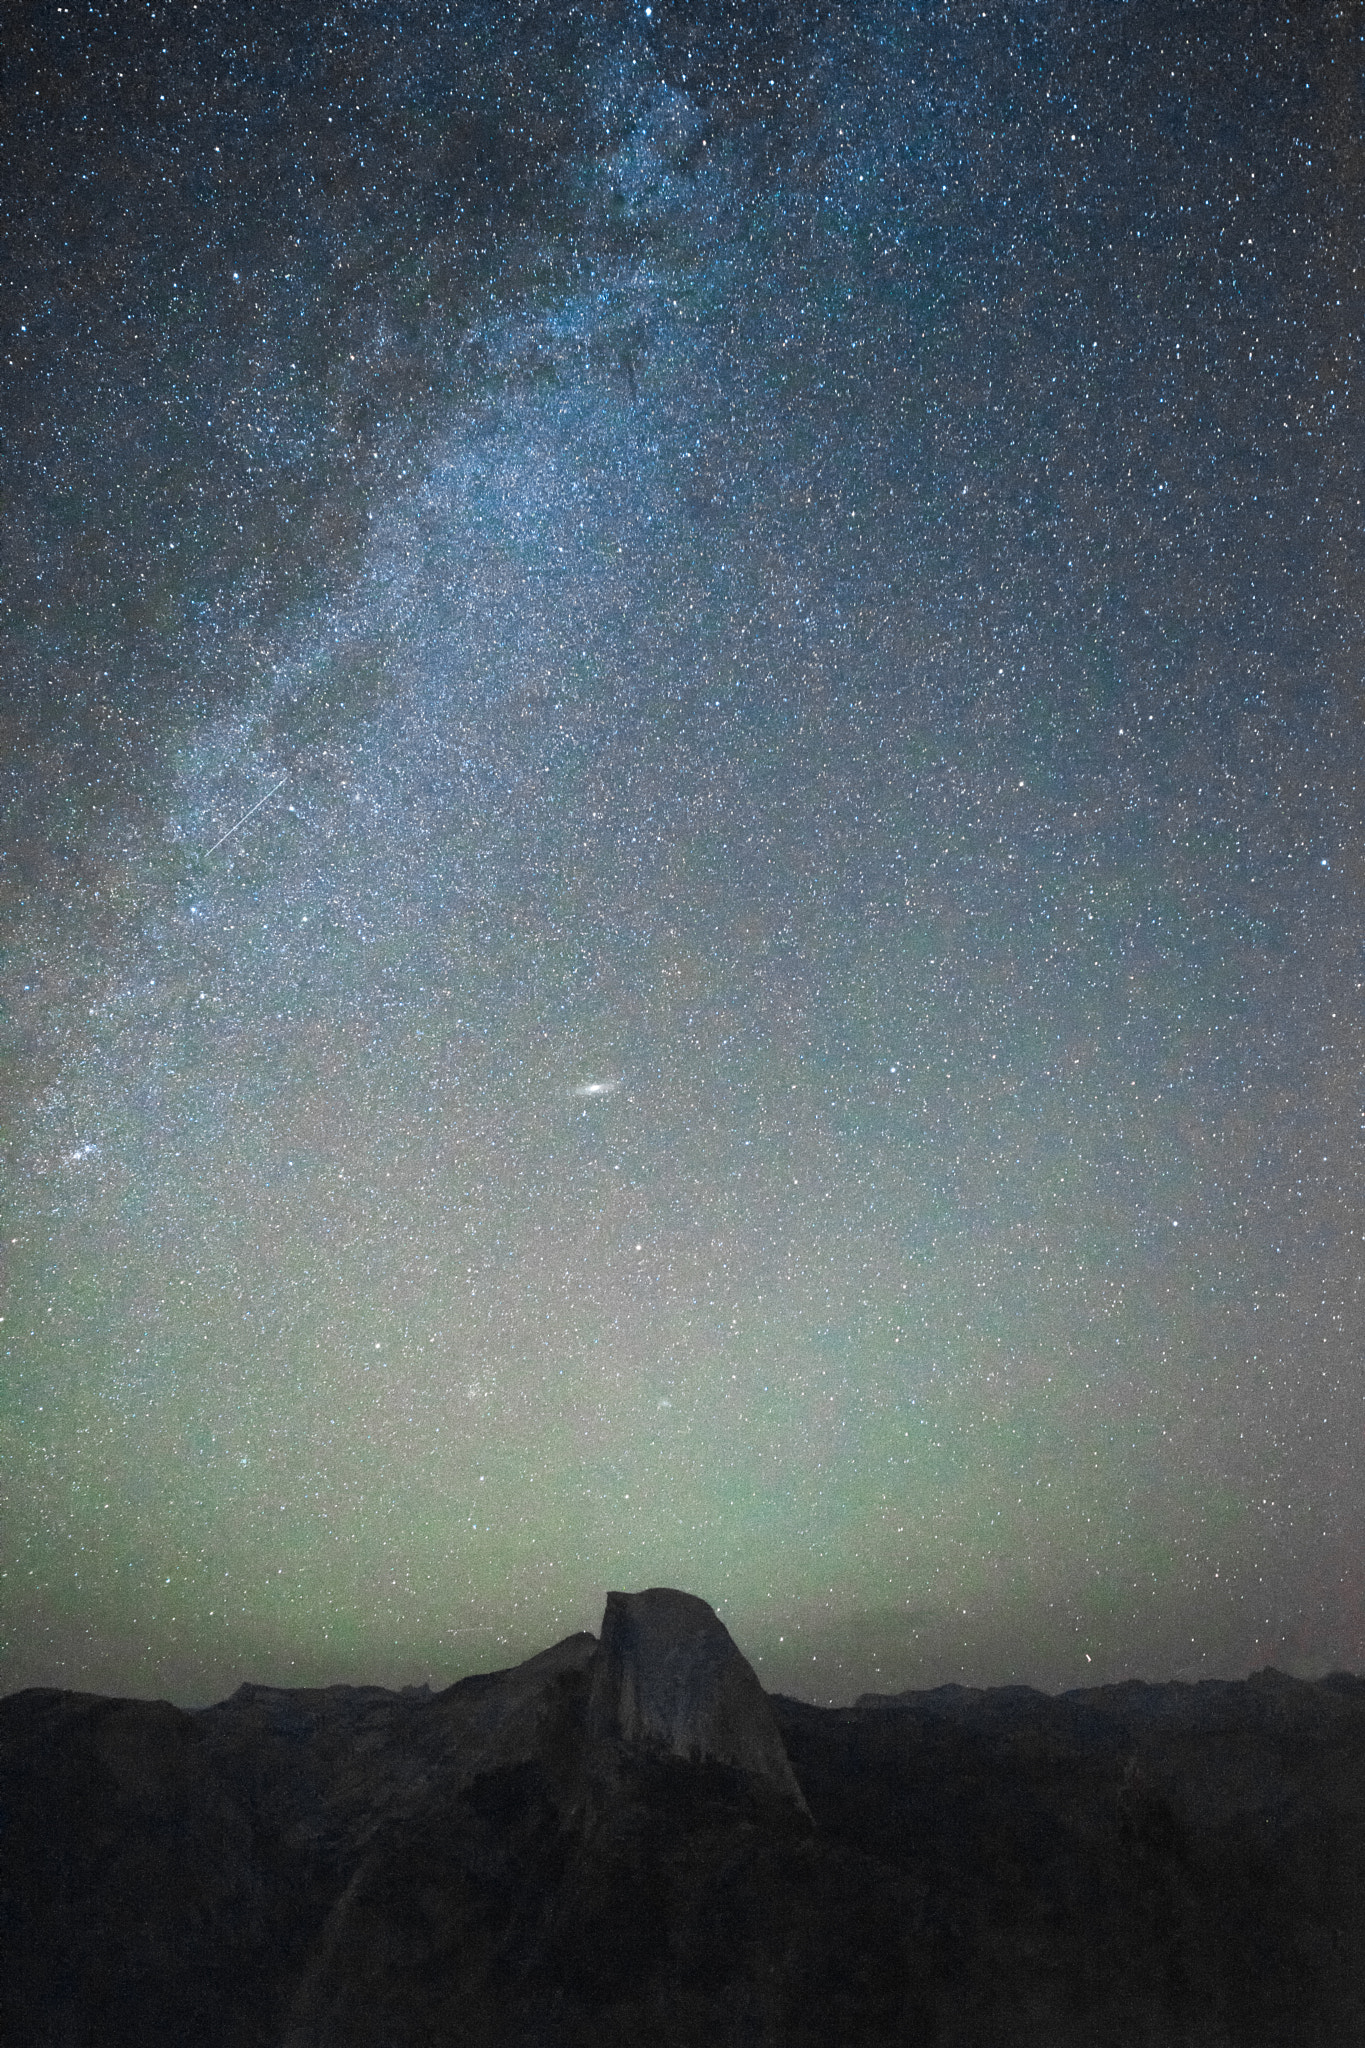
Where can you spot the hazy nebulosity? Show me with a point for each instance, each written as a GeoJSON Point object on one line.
{"type": "Point", "coordinates": [779, 600]}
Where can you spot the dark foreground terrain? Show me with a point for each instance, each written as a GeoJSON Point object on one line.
{"type": "Point", "coordinates": [605, 1846]}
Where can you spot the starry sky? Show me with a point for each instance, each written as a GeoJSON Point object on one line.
{"type": "Point", "coordinates": [680, 884]}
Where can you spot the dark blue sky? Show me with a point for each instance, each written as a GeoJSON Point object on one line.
{"type": "Point", "coordinates": [681, 873]}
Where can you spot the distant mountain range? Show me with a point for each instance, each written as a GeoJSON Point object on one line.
{"type": "Point", "coordinates": [625, 1841]}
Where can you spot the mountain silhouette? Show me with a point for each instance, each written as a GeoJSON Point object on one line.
{"type": "Point", "coordinates": [626, 1841]}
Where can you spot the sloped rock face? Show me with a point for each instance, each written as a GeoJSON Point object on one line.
{"type": "Point", "coordinates": [667, 1679]}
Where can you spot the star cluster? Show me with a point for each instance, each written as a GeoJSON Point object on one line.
{"type": "Point", "coordinates": [681, 894]}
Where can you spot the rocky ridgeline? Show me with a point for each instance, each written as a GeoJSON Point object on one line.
{"type": "Point", "coordinates": [628, 1841]}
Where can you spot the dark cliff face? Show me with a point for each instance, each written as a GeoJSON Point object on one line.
{"type": "Point", "coordinates": [510, 1862]}
{"type": "Point", "coordinates": [668, 1679]}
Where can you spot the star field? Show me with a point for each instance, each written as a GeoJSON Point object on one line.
{"type": "Point", "coordinates": [681, 886]}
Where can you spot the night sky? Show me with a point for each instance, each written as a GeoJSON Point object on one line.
{"type": "Point", "coordinates": [681, 881]}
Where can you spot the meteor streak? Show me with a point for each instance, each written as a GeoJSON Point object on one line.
{"type": "Point", "coordinates": [245, 815]}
